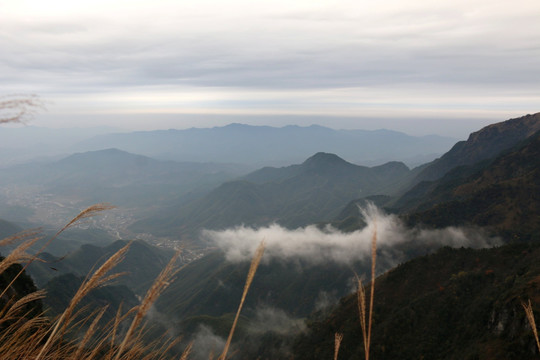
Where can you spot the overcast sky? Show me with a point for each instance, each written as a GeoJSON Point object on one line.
{"type": "Point", "coordinates": [423, 66]}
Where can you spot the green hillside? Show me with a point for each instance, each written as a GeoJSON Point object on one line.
{"type": "Point", "coordinates": [142, 263]}
{"type": "Point", "coordinates": [484, 144]}
{"type": "Point", "coordinates": [61, 289]}
{"type": "Point", "coordinates": [118, 177]}
{"type": "Point", "coordinates": [213, 286]}
{"type": "Point", "coordinates": [293, 196]}
{"type": "Point", "coordinates": [455, 304]}
{"type": "Point", "coordinates": [503, 194]}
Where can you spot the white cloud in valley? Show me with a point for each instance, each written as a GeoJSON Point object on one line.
{"type": "Point", "coordinates": [317, 246]}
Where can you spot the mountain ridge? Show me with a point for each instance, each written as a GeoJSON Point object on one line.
{"type": "Point", "coordinates": [266, 145]}
{"type": "Point", "coordinates": [483, 144]}
{"type": "Point", "coordinates": [296, 195]}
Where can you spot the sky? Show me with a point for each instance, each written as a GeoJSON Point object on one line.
{"type": "Point", "coordinates": [424, 66]}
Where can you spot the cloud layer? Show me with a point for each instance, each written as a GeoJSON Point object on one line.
{"type": "Point", "coordinates": [317, 246]}
{"type": "Point", "coordinates": [303, 57]}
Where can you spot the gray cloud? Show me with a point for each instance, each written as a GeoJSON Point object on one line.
{"type": "Point", "coordinates": [269, 319]}
{"type": "Point", "coordinates": [291, 50]}
{"type": "Point", "coordinates": [325, 301]}
{"type": "Point", "coordinates": [206, 343]}
{"type": "Point", "coordinates": [464, 52]}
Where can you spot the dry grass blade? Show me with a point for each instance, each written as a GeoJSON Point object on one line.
{"type": "Point", "coordinates": [19, 236]}
{"type": "Point", "coordinates": [16, 308]}
{"type": "Point", "coordinates": [89, 333]}
{"type": "Point", "coordinates": [97, 279]}
{"type": "Point", "coordinates": [337, 343]}
{"type": "Point", "coordinates": [18, 255]}
{"type": "Point", "coordinates": [361, 297]}
{"type": "Point", "coordinates": [160, 284]}
{"type": "Point", "coordinates": [167, 346]}
{"type": "Point", "coordinates": [187, 351]}
{"type": "Point", "coordinates": [252, 269]}
{"type": "Point", "coordinates": [88, 212]}
{"type": "Point", "coordinates": [20, 340]}
{"type": "Point", "coordinates": [117, 320]}
{"type": "Point", "coordinates": [530, 316]}
{"type": "Point", "coordinates": [372, 294]}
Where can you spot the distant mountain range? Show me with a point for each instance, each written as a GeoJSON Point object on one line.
{"type": "Point", "coordinates": [233, 143]}
{"type": "Point", "coordinates": [265, 145]}
{"type": "Point", "coordinates": [39, 144]}
{"type": "Point", "coordinates": [117, 177]}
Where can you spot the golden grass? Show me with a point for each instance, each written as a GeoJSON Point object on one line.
{"type": "Point", "coordinates": [27, 336]}
{"type": "Point", "coordinates": [86, 213]}
{"type": "Point", "coordinates": [251, 274]}
{"type": "Point", "coordinates": [98, 279]}
{"type": "Point", "coordinates": [337, 343]}
{"type": "Point", "coordinates": [361, 297]}
{"type": "Point", "coordinates": [161, 283]}
{"type": "Point", "coordinates": [530, 317]}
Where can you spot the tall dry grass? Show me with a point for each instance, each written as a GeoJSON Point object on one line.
{"type": "Point", "coordinates": [530, 317]}
{"type": "Point", "coordinates": [161, 283]}
{"type": "Point", "coordinates": [29, 336]}
{"type": "Point", "coordinates": [251, 274]}
{"type": "Point", "coordinates": [361, 297]}
{"type": "Point", "coordinates": [67, 337]}
{"type": "Point", "coordinates": [338, 337]}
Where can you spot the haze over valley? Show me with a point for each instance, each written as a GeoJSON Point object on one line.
{"type": "Point", "coordinates": [316, 217]}
{"type": "Point", "coordinates": [240, 180]}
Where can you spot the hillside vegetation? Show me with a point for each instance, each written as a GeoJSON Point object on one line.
{"type": "Point", "coordinates": [292, 196]}
{"type": "Point", "coordinates": [455, 304]}
{"type": "Point", "coordinates": [502, 194]}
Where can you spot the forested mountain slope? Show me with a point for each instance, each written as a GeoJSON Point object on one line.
{"type": "Point", "coordinates": [455, 304]}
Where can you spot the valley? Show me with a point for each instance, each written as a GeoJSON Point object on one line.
{"type": "Point", "coordinates": [268, 180]}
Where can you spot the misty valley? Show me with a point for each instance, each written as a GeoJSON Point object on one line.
{"type": "Point", "coordinates": [451, 229]}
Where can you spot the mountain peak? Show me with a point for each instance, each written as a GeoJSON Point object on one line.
{"type": "Point", "coordinates": [484, 144]}
{"type": "Point", "coordinates": [324, 158]}
{"type": "Point", "coordinates": [517, 129]}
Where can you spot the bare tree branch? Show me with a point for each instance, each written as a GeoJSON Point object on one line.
{"type": "Point", "coordinates": [19, 108]}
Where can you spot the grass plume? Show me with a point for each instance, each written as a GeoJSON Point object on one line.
{"type": "Point", "coordinates": [361, 297]}
{"type": "Point", "coordinates": [251, 274]}
{"type": "Point", "coordinates": [159, 285]}
{"type": "Point", "coordinates": [338, 337]}
{"type": "Point", "coordinates": [90, 211]}
{"type": "Point", "coordinates": [98, 279]}
{"type": "Point", "coordinates": [530, 317]}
